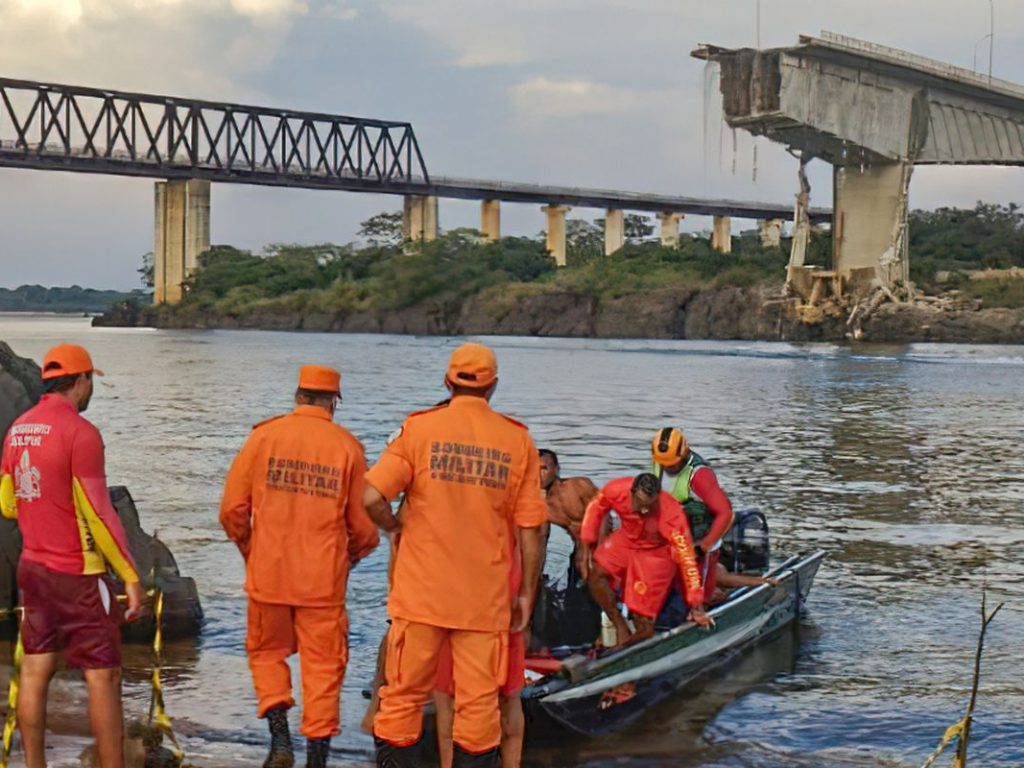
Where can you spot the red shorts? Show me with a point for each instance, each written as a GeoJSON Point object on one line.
{"type": "Point", "coordinates": [644, 576]}
{"type": "Point", "coordinates": [78, 615]}
{"type": "Point", "coordinates": [516, 668]}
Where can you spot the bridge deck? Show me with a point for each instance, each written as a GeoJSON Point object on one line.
{"type": "Point", "coordinates": [853, 102]}
{"type": "Point", "coordinates": [475, 189]}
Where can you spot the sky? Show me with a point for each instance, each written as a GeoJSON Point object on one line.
{"type": "Point", "coordinates": [598, 93]}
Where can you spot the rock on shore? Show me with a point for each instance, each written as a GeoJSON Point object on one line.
{"type": "Point", "coordinates": [20, 386]}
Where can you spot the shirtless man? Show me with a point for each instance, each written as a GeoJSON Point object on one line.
{"type": "Point", "coordinates": [567, 498]}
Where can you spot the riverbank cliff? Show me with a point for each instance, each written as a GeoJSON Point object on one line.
{"type": "Point", "coordinates": [731, 312]}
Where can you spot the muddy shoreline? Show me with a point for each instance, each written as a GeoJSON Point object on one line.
{"type": "Point", "coordinates": [755, 313]}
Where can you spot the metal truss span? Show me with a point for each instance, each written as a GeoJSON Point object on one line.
{"type": "Point", "coordinates": [70, 128]}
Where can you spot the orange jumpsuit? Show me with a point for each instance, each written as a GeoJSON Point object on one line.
{"type": "Point", "coordinates": [643, 555]}
{"type": "Point", "coordinates": [470, 475]}
{"type": "Point", "coordinates": [293, 503]}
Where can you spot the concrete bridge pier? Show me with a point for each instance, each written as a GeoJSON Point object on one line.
{"type": "Point", "coordinates": [869, 224]}
{"type": "Point", "coordinates": [181, 232]}
{"type": "Point", "coordinates": [614, 230]}
{"type": "Point", "coordinates": [670, 229]}
{"type": "Point", "coordinates": [490, 219]}
{"type": "Point", "coordinates": [721, 234]}
{"type": "Point", "coordinates": [419, 218]}
{"type": "Point", "coordinates": [770, 232]}
{"type": "Point", "coordinates": [555, 242]}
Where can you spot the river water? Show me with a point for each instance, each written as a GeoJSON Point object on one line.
{"type": "Point", "coordinates": [905, 463]}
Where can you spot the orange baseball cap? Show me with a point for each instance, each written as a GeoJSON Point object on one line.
{"type": "Point", "coordinates": [67, 360]}
{"type": "Point", "coordinates": [320, 378]}
{"type": "Point", "coordinates": [472, 365]}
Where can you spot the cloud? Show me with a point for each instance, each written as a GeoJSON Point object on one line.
{"type": "Point", "coordinates": [339, 11]}
{"type": "Point", "coordinates": [492, 55]}
{"type": "Point", "coordinates": [261, 8]}
{"type": "Point", "coordinates": [544, 97]}
{"type": "Point", "coordinates": [64, 11]}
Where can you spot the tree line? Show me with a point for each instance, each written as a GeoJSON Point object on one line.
{"type": "Point", "coordinates": [383, 271]}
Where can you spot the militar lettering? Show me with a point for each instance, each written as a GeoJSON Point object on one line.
{"type": "Point", "coordinates": [469, 464]}
{"type": "Point", "coordinates": [303, 477]}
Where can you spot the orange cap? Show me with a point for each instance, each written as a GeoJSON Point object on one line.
{"type": "Point", "coordinates": [67, 360]}
{"type": "Point", "coordinates": [320, 378]}
{"type": "Point", "coordinates": [472, 365]}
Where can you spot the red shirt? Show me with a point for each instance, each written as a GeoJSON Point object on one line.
{"type": "Point", "coordinates": [52, 480]}
{"type": "Point", "coordinates": [664, 526]}
{"type": "Point", "coordinates": [705, 488]}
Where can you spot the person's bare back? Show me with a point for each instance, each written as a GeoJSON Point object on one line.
{"type": "Point", "coordinates": [567, 501]}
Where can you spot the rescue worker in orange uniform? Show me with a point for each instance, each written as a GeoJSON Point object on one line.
{"type": "Point", "coordinates": [53, 481]}
{"type": "Point", "coordinates": [293, 504]}
{"type": "Point", "coordinates": [691, 481]}
{"type": "Point", "coordinates": [471, 478]}
{"type": "Point", "coordinates": [642, 557]}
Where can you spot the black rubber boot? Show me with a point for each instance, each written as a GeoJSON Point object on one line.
{"type": "Point", "coordinates": [316, 752]}
{"type": "Point", "coordinates": [488, 759]}
{"type": "Point", "coordinates": [390, 756]}
{"type": "Point", "coordinates": [281, 754]}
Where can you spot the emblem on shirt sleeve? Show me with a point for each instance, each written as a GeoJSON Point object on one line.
{"type": "Point", "coordinates": [26, 479]}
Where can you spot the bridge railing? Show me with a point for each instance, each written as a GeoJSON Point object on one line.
{"type": "Point", "coordinates": [59, 126]}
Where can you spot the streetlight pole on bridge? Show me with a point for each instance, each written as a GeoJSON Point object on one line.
{"type": "Point", "coordinates": [991, 35]}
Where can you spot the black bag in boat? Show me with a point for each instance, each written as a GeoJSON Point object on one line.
{"type": "Point", "coordinates": [565, 613]}
{"type": "Point", "coordinates": [745, 548]}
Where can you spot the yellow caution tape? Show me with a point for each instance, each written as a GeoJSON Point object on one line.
{"type": "Point", "coordinates": [157, 714]}
{"type": "Point", "coordinates": [954, 731]}
{"type": "Point", "coordinates": [12, 701]}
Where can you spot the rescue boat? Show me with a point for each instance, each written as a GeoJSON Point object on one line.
{"type": "Point", "coordinates": [592, 693]}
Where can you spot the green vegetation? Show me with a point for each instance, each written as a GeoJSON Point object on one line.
{"type": "Point", "coordinates": [958, 240]}
{"type": "Point", "coordinates": [996, 292]}
{"type": "Point", "coordinates": [391, 275]}
{"type": "Point", "coordinates": [387, 273]}
{"type": "Point", "coordinates": [328, 278]}
{"type": "Point", "coordinates": [641, 266]}
{"type": "Point", "coordinates": [36, 298]}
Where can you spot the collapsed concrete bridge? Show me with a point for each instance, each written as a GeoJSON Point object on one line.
{"type": "Point", "coordinates": [874, 113]}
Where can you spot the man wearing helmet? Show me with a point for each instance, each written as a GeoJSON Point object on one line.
{"type": "Point", "coordinates": [691, 481]}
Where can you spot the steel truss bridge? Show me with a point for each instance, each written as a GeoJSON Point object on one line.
{"type": "Point", "coordinates": [69, 128]}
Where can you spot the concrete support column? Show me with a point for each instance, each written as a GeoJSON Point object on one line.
{"type": "Point", "coordinates": [490, 219]}
{"type": "Point", "coordinates": [556, 231]}
{"type": "Point", "coordinates": [721, 234]}
{"type": "Point", "coordinates": [670, 229]}
{"type": "Point", "coordinates": [181, 231]}
{"type": "Point", "coordinates": [419, 218]}
{"type": "Point", "coordinates": [770, 231]}
{"type": "Point", "coordinates": [614, 230]}
{"type": "Point", "coordinates": [866, 215]}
